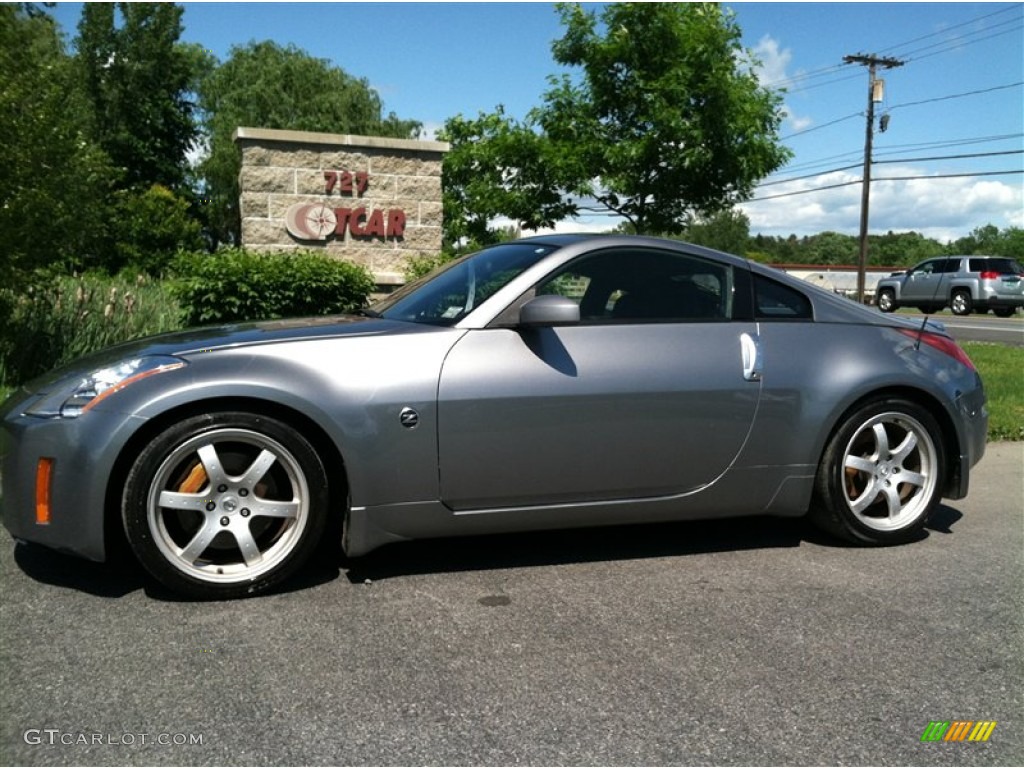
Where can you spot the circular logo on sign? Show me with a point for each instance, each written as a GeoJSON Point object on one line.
{"type": "Point", "coordinates": [310, 221]}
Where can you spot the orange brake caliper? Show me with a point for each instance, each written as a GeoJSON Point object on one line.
{"type": "Point", "coordinates": [195, 481]}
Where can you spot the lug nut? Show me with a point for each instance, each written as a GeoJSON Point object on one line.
{"type": "Point", "coordinates": [224, 521]}
{"type": "Point", "coordinates": [221, 488]}
{"type": "Point", "coordinates": [243, 491]}
{"type": "Point", "coordinates": [245, 512]}
{"type": "Point", "coordinates": [210, 506]}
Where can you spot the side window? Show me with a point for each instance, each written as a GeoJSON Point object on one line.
{"type": "Point", "coordinates": [644, 285]}
{"type": "Point", "coordinates": [775, 301]}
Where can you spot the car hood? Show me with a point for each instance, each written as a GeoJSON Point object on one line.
{"type": "Point", "coordinates": [208, 339]}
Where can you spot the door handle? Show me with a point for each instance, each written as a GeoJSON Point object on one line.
{"type": "Point", "coordinates": [753, 364]}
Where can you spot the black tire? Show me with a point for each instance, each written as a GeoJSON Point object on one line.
{"type": "Point", "coordinates": [881, 474]}
{"type": "Point", "coordinates": [225, 505]}
{"type": "Point", "coordinates": [887, 300]}
{"type": "Point", "coordinates": [1005, 311]}
{"type": "Point", "coordinates": [960, 303]}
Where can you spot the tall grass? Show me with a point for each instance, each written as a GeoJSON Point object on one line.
{"type": "Point", "coordinates": [57, 319]}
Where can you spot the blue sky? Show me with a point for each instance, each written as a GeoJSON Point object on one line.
{"type": "Point", "coordinates": [430, 61]}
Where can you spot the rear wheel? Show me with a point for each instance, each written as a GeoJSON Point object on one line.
{"type": "Point", "coordinates": [1005, 311]}
{"type": "Point", "coordinates": [225, 505]}
{"type": "Point", "coordinates": [960, 302]}
{"type": "Point", "coordinates": [881, 475]}
{"type": "Point", "coordinates": [887, 300]}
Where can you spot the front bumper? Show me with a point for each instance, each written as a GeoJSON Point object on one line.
{"type": "Point", "coordinates": [83, 451]}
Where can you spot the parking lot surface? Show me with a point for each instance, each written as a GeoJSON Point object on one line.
{"type": "Point", "coordinates": [734, 642]}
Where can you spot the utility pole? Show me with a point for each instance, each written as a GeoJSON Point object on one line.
{"type": "Point", "coordinates": [874, 95]}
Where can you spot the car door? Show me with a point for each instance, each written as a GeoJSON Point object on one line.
{"type": "Point", "coordinates": [646, 397]}
{"type": "Point", "coordinates": [923, 281]}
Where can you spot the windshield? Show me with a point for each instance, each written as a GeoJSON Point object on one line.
{"type": "Point", "coordinates": [449, 294]}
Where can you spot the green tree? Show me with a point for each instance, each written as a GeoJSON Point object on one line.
{"type": "Point", "coordinates": [497, 167]}
{"type": "Point", "coordinates": [139, 81]}
{"type": "Point", "coordinates": [667, 119]}
{"type": "Point", "coordinates": [264, 85]}
{"type": "Point", "coordinates": [901, 248]}
{"type": "Point", "coordinates": [727, 231]}
{"type": "Point", "coordinates": [830, 248]}
{"type": "Point", "coordinates": [991, 241]}
{"type": "Point", "coordinates": [54, 180]}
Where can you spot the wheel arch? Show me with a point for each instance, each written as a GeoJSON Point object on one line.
{"type": "Point", "coordinates": [330, 455]}
{"type": "Point", "coordinates": [949, 437]}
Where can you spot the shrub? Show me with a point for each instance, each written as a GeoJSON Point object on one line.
{"type": "Point", "coordinates": [152, 226]}
{"type": "Point", "coordinates": [56, 318]}
{"type": "Point", "coordinates": [418, 266]}
{"type": "Point", "coordinates": [234, 284]}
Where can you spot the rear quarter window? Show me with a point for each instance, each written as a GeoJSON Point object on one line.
{"type": "Point", "coordinates": [775, 301]}
{"type": "Point", "coordinates": [1002, 266]}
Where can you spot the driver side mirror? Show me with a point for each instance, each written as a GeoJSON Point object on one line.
{"type": "Point", "coordinates": [549, 310]}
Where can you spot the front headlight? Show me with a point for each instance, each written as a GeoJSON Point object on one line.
{"type": "Point", "coordinates": [78, 396]}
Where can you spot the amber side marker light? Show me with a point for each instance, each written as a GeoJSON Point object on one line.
{"type": "Point", "coordinates": [44, 473]}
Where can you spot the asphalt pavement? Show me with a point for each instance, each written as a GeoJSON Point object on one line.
{"type": "Point", "coordinates": [986, 328]}
{"type": "Point", "coordinates": [752, 641]}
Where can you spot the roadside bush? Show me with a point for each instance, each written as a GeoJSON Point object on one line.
{"type": "Point", "coordinates": [418, 266]}
{"type": "Point", "coordinates": [234, 284]}
{"type": "Point", "coordinates": [53, 319]}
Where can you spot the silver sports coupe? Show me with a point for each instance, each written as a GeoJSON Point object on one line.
{"type": "Point", "coordinates": [548, 382]}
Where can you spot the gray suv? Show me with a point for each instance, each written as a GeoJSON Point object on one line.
{"type": "Point", "coordinates": [963, 283]}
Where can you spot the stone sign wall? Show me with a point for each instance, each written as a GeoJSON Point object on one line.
{"type": "Point", "coordinates": [371, 201]}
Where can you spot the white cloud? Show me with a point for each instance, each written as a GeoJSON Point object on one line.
{"type": "Point", "coordinates": [772, 62]}
{"type": "Point", "coordinates": [771, 70]}
{"type": "Point", "coordinates": [943, 209]}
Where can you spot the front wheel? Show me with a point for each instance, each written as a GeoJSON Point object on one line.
{"type": "Point", "coordinates": [960, 303]}
{"type": "Point", "coordinates": [225, 505]}
{"type": "Point", "coordinates": [887, 300]}
{"type": "Point", "coordinates": [881, 475]}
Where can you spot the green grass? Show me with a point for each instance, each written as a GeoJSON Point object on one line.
{"type": "Point", "coordinates": [1002, 370]}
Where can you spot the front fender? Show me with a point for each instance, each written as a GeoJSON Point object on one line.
{"type": "Point", "coordinates": [353, 388]}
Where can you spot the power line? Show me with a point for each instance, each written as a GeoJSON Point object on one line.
{"type": "Point", "coordinates": [886, 178]}
{"type": "Point", "coordinates": [969, 156]}
{"type": "Point", "coordinates": [958, 95]}
{"type": "Point", "coordinates": [902, 106]}
{"type": "Point", "coordinates": [946, 46]}
{"type": "Point", "coordinates": [960, 42]}
{"type": "Point", "coordinates": [947, 30]}
{"type": "Point", "coordinates": [898, 148]}
{"type": "Point", "coordinates": [823, 125]}
{"type": "Point", "coordinates": [950, 157]}
{"type": "Point", "coordinates": [808, 176]}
